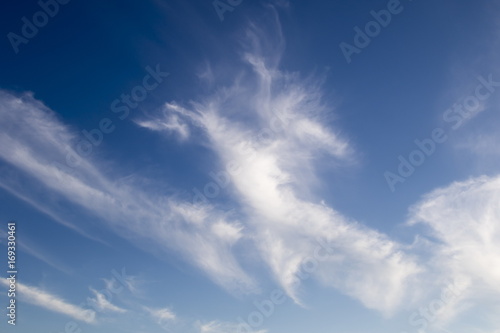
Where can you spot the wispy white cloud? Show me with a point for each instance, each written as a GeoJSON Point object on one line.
{"type": "Point", "coordinates": [161, 315]}
{"type": "Point", "coordinates": [464, 217]}
{"type": "Point", "coordinates": [285, 134]}
{"type": "Point", "coordinates": [272, 185]}
{"type": "Point", "coordinates": [102, 304]}
{"type": "Point", "coordinates": [12, 182]}
{"type": "Point", "coordinates": [483, 145]}
{"type": "Point", "coordinates": [51, 302]}
{"type": "Point", "coordinates": [34, 138]}
{"type": "Point", "coordinates": [131, 283]}
{"type": "Point", "coordinates": [38, 253]}
{"type": "Point", "coordinates": [216, 326]}
{"type": "Point", "coordinates": [276, 149]}
{"type": "Point", "coordinates": [276, 152]}
{"type": "Point", "coordinates": [172, 123]}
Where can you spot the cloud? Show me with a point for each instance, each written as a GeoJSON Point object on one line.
{"type": "Point", "coordinates": [275, 151]}
{"type": "Point", "coordinates": [463, 217]}
{"type": "Point", "coordinates": [172, 122]}
{"type": "Point", "coordinates": [270, 131]}
{"type": "Point", "coordinates": [36, 148]}
{"type": "Point", "coordinates": [101, 303]}
{"type": "Point", "coordinates": [216, 326]}
{"type": "Point", "coordinates": [51, 302]}
{"type": "Point", "coordinates": [482, 146]}
{"type": "Point", "coordinates": [161, 315]}
{"type": "Point", "coordinates": [38, 253]}
{"type": "Point", "coordinates": [132, 283]}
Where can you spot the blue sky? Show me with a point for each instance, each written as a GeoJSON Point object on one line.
{"type": "Point", "coordinates": [236, 166]}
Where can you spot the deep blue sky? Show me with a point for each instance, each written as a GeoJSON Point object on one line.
{"type": "Point", "coordinates": [321, 175]}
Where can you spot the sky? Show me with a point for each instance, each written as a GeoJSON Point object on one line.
{"type": "Point", "coordinates": [236, 166]}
